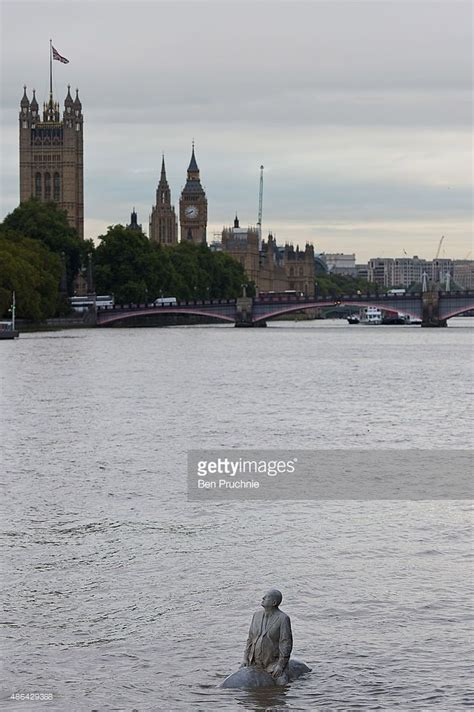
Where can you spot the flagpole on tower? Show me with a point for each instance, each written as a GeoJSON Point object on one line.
{"type": "Point", "coordinates": [51, 71]}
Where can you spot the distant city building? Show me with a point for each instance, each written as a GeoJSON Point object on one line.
{"type": "Point", "coordinates": [271, 268]}
{"type": "Point", "coordinates": [406, 271]}
{"type": "Point", "coordinates": [193, 207]}
{"type": "Point", "coordinates": [134, 221]}
{"type": "Point", "coordinates": [339, 263]}
{"type": "Point", "coordinates": [362, 271]}
{"type": "Point", "coordinates": [51, 155]}
{"type": "Point", "coordinates": [320, 264]}
{"type": "Point", "coordinates": [379, 271]}
{"type": "Point", "coordinates": [163, 223]}
{"type": "Point", "coordinates": [438, 269]}
{"type": "Point", "coordinates": [463, 273]}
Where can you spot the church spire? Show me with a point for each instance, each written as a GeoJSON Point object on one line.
{"type": "Point", "coordinates": [193, 166]}
{"type": "Point", "coordinates": [163, 227]}
{"type": "Point", "coordinates": [25, 102]}
{"type": "Point", "coordinates": [68, 100]}
{"type": "Point", "coordinates": [163, 193]}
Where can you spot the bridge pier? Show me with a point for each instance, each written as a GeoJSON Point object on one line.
{"type": "Point", "coordinates": [90, 317]}
{"type": "Point", "coordinates": [243, 317]}
{"type": "Point", "coordinates": [431, 316]}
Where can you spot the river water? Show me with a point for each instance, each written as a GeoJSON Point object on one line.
{"type": "Point", "coordinates": [122, 595]}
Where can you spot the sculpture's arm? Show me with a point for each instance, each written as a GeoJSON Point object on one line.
{"type": "Point", "coordinates": [286, 641]}
{"type": "Point", "coordinates": [246, 660]}
{"type": "Point", "coordinates": [285, 647]}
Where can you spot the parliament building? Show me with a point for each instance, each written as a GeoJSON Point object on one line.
{"type": "Point", "coordinates": [52, 167]}
{"type": "Point", "coordinates": [272, 268]}
{"type": "Point", "coordinates": [51, 155]}
{"type": "Point", "coordinates": [192, 210]}
{"type": "Point", "coordinates": [269, 266]}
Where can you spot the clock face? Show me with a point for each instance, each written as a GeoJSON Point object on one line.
{"type": "Point", "coordinates": [191, 211]}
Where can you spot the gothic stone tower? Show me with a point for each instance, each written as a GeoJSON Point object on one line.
{"type": "Point", "coordinates": [51, 155]}
{"type": "Point", "coordinates": [193, 207]}
{"type": "Point", "coordinates": [163, 225]}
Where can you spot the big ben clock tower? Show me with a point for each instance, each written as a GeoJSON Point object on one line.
{"type": "Point", "coordinates": [193, 207]}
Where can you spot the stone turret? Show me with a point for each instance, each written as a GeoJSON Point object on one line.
{"type": "Point", "coordinates": [193, 206]}
{"type": "Point", "coordinates": [51, 155]}
{"type": "Point", "coordinates": [163, 224]}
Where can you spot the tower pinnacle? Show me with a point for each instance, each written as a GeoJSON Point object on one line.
{"type": "Point", "coordinates": [193, 166]}
{"type": "Point", "coordinates": [24, 100]}
{"type": "Point", "coordinates": [163, 227]}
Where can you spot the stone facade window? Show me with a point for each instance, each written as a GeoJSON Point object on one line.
{"type": "Point", "coordinates": [38, 185]}
{"type": "Point", "coordinates": [47, 186]}
{"type": "Point", "coordinates": [56, 187]}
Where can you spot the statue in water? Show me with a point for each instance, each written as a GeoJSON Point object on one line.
{"type": "Point", "coordinates": [269, 644]}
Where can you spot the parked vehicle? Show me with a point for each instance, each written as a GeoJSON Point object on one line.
{"type": "Point", "coordinates": [288, 295]}
{"type": "Point", "coordinates": [165, 302]}
{"type": "Point", "coordinates": [83, 304]}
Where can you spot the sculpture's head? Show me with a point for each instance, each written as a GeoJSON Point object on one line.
{"type": "Point", "coordinates": [272, 599]}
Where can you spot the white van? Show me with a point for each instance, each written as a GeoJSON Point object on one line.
{"type": "Point", "coordinates": [165, 302]}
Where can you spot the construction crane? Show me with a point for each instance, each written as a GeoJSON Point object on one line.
{"type": "Point", "coordinates": [439, 247]}
{"type": "Point", "coordinates": [260, 207]}
{"type": "Point", "coordinates": [437, 276]}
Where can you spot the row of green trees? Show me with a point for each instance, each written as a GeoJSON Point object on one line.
{"type": "Point", "coordinates": [41, 255]}
{"type": "Point", "coordinates": [133, 269]}
{"type": "Point", "coordinates": [338, 284]}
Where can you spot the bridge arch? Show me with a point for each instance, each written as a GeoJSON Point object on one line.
{"type": "Point", "coordinates": [413, 313]}
{"type": "Point", "coordinates": [108, 317]}
{"type": "Point", "coordinates": [457, 311]}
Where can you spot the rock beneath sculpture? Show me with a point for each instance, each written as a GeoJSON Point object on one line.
{"type": "Point", "coordinates": [267, 660]}
{"type": "Point", "coordinates": [248, 677]}
{"type": "Point", "coordinates": [251, 677]}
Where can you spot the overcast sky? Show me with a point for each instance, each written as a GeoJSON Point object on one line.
{"type": "Point", "coordinates": [359, 111]}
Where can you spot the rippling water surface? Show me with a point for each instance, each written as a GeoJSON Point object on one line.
{"type": "Point", "coordinates": [121, 595]}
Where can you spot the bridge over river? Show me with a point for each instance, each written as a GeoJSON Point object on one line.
{"type": "Point", "coordinates": [431, 308]}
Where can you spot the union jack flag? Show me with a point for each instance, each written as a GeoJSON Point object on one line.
{"type": "Point", "coordinates": [57, 56]}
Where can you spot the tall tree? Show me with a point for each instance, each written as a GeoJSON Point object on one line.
{"type": "Point", "coordinates": [33, 272]}
{"type": "Point", "coordinates": [122, 264]}
{"type": "Point", "coordinates": [47, 223]}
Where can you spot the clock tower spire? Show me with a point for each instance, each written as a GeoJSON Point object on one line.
{"type": "Point", "coordinates": [193, 206]}
{"type": "Point", "coordinates": [163, 225]}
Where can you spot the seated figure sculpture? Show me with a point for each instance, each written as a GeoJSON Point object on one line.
{"type": "Point", "coordinates": [267, 653]}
